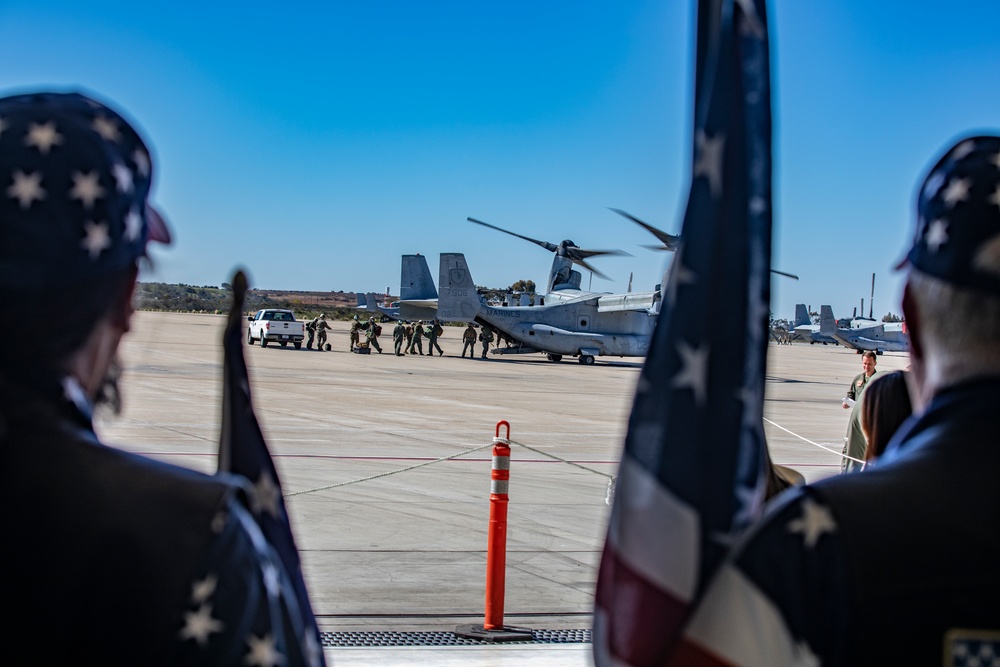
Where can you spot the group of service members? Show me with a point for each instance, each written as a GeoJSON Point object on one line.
{"type": "Point", "coordinates": [407, 337]}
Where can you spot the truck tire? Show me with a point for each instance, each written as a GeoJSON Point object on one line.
{"type": "Point", "coordinates": [263, 340]}
{"type": "Point", "coordinates": [298, 345]}
{"type": "Point", "coordinates": [249, 338]}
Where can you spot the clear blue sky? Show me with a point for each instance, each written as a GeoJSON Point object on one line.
{"type": "Point", "coordinates": [315, 143]}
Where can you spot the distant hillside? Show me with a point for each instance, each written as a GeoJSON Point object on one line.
{"type": "Point", "coordinates": [211, 299]}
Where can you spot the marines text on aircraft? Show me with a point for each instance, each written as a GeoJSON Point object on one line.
{"type": "Point", "coordinates": [586, 326]}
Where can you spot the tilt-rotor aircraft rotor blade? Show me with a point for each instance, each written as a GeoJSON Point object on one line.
{"type": "Point", "coordinates": [670, 241]}
{"type": "Point", "coordinates": [591, 269]}
{"type": "Point", "coordinates": [551, 247]}
{"type": "Point", "coordinates": [578, 254]}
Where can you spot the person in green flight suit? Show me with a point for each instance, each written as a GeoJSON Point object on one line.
{"type": "Point", "coordinates": [417, 347]}
{"type": "Point", "coordinates": [469, 341]}
{"type": "Point", "coordinates": [854, 442]}
{"type": "Point", "coordinates": [355, 332]}
{"type": "Point", "coordinates": [372, 331]}
{"type": "Point", "coordinates": [322, 326]}
{"type": "Point", "coordinates": [398, 337]}
{"type": "Point", "coordinates": [311, 331]}
{"type": "Point", "coordinates": [434, 330]}
{"type": "Point", "coordinates": [486, 338]}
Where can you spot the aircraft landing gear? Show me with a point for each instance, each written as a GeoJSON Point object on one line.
{"type": "Point", "coordinates": [586, 359]}
{"type": "Point", "coordinates": [555, 357]}
{"type": "Point", "coordinates": [878, 352]}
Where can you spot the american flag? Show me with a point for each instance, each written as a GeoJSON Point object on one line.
{"type": "Point", "coordinates": [693, 472]}
{"type": "Point", "coordinates": [243, 451]}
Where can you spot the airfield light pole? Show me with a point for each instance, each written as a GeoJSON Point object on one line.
{"type": "Point", "coordinates": [493, 628]}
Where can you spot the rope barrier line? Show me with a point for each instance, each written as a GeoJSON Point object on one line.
{"type": "Point", "coordinates": [557, 458]}
{"type": "Point", "coordinates": [815, 444]}
{"type": "Point", "coordinates": [506, 441]}
{"type": "Point", "coordinates": [447, 458]}
{"type": "Point", "coordinates": [387, 474]}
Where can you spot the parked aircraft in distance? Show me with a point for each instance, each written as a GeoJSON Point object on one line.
{"type": "Point", "coordinates": [586, 327]}
{"type": "Point", "coordinates": [804, 329]}
{"type": "Point", "coordinates": [878, 338]}
{"type": "Point", "coordinates": [375, 304]}
{"type": "Point", "coordinates": [417, 294]}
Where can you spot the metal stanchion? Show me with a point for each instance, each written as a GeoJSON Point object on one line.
{"type": "Point", "coordinates": [493, 628]}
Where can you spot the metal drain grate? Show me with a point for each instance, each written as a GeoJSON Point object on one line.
{"type": "Point", "coordinates": [436, 638]}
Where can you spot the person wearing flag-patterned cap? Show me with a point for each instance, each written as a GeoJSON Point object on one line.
{"type": "Point", "coordinates": [108, 557]}
{"type": "Point", "coordinates": [900, 564]}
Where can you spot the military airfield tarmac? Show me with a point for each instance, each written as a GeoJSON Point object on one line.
{"type": "Point", "coordinates": [392, 532]}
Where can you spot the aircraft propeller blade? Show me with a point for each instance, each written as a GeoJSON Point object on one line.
{"type": "Point", "coordinates": [670, 241]}
{"type": "Point", "coordinates": [591, 269]}
{"type": "Point", "coordinates": [578, 254]}
{"type": "Point", "coordinates": [787, 275]}
{"type": "Point", "coordinates": [551, 247]}
{"type": "Point", "coordinates": [566, 249]}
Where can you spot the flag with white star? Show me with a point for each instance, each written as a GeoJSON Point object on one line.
{"type": "Point", "coordinates": [693, 471]}
{"type": "Point", "coordinates": [243, 451]}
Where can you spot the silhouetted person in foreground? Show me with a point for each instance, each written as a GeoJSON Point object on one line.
{"type": "Point", "coordinates": [109, 557]}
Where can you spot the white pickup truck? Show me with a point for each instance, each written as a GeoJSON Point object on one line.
{"type": "Point", "coordinates": [277, 326]}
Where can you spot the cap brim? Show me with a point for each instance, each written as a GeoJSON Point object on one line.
{"type": "Point", "coordinates": [158, 230]}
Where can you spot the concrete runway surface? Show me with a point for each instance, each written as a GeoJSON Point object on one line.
{"type": "Point", "coordinates": [387, 546]}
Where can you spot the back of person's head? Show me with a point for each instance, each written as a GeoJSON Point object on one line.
{"type": "Point", "coordinates": [954, 280]}
{"type": "Point", "coordinates": [74, 220]}
{"type": "Point", "coordinates": [885, 405]}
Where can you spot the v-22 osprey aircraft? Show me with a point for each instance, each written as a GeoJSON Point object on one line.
{"type": "Point", "coordinates": [586, 327]}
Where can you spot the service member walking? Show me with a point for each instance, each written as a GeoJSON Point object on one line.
{"type": "Point", "coordinates": [418, 333]}
{"type": "Point", "coordinates": [409, 338]}
{"type": "Point", "coordinates": [434, 330]}
{"type": "Point", "coordinates": [355, 333]}
{"type": "Point", "coordinates": [399, 337]}
{"type": "Point", "coordinates": [322, 326]}
{"type": "Point", "coordinates": [311, 331]}
{"type": "Point", "coordinates": [855, 443]}
{"type": "Point", "coordinates": [486, 337]}
{"type": "Point", "coordinates": [372, 331]}
{"type": "Point", "coordinates": [469, 341]}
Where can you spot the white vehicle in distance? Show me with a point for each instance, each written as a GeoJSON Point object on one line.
{"type": "Point", "coordinates": [272, 325]}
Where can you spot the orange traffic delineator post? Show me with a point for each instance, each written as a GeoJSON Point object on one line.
{"type": "Point", "coordinates": [493, 628]}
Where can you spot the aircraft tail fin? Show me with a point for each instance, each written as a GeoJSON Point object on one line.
{"type": "Point", "coordinates": [362, 302]}
{"type": "Point", "coordinates": [373, 303]}
{"type": "Point", "coordinates": [827, 323]}
{"type": "Point", "coordinates": [415, 281]}
{"type": "Point", "coordinates": [459, 301]}
{"type": "Point", "coordinates": [801, 315]}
